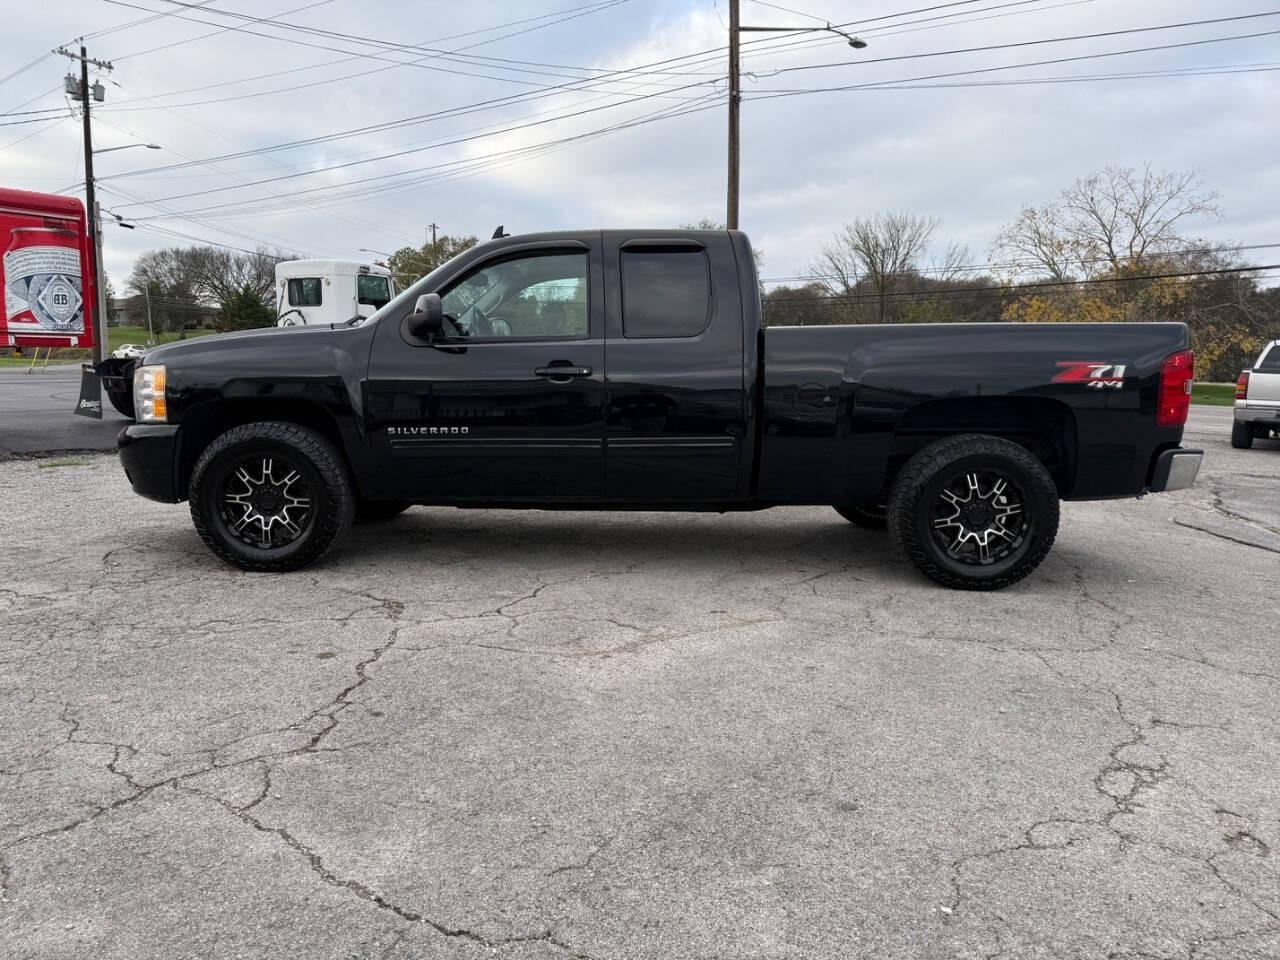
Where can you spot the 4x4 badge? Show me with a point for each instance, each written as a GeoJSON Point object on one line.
{"type": "Point", "coordinates": [1091, 373]}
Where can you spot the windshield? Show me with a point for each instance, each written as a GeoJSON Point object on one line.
{"type": "Point", "coordinates": [414, 290]}
{"type": "Point", "coordinates": [373, 290]}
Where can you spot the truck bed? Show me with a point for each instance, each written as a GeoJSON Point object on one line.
{"type": "Point", "coordinates": [843, 406]}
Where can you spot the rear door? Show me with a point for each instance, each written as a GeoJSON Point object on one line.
{"type": "Point", "coordinates": [509, 404]}
{"type": "Point", "coordinates": [676, 399]}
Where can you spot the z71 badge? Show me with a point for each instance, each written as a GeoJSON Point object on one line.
{"type": "Point", "coordinates": [1099, 376]}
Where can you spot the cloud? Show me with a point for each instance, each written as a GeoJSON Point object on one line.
{"type": "Point", "coordinates": [968, 155]}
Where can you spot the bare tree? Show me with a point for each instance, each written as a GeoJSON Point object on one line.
{"type": "Point", "coordinates": [1105, 223]}
{"type": "Point", "coordinates": [879, 251]}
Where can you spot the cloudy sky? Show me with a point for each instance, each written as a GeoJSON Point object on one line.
{"type": "Point", "coordinates": [551, 114]}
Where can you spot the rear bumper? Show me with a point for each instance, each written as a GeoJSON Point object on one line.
{"type": "Point", "coordinates": [1175, 470]}
{"type": "Point", "coordinates": [1259, 416]}
{"type": "Point", "coordinates": [148, 452]}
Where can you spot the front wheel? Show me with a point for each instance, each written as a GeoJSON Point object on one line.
{"type": "Point", "coordinates": [270, 496]}
{"type": "Point", "coordinates": [1241, 435]}
{"type": "Point", "coordinates": [974, 512]}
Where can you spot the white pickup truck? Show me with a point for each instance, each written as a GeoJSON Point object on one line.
{"type": "Point", "coordinates": [1258, 399]}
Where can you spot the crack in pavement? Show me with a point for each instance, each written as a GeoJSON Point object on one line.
{"type": "Point", "coordinates": [368, 894]}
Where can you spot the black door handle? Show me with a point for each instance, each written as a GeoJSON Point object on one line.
{"type": "Point", "coordinates": [562, 371]}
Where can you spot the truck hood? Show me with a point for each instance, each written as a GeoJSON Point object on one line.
{"type": "Point", "coordinates": [239, 339]}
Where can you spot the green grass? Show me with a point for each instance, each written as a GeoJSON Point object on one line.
{"type": "Point", "coordinates": [115, 337]}
{"type": "Point", "coordinates": [1214, 394]}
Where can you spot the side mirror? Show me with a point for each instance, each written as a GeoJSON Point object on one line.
{"type": "Point", "coordinates": [427, 319]}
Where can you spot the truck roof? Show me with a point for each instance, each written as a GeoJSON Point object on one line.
{"type": "Point", "coordinates": [327, 268]}
{"type": "Point", "coordinates": [51, 203]}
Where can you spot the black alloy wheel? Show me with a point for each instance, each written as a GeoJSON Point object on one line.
{"type": "Point", "coordinates": [266, 501]}
{"type": "Point", "coordinates": [974, 512]}
{"type": "Point", "coordinates": [271, 496]}
{"type": "Point", "coordinates": [979, 517]}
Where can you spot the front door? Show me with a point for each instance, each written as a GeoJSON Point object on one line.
{"type": "Point", "coordinates": [509, 403]}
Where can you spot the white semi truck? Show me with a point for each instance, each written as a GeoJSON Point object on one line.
{"type": "Point", "coordinates": [311, 292]}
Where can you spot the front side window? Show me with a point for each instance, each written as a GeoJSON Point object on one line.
{"type": "Point", "coordinates": [372, 289]}
{"type": "Point", "coordinates": [538, 295]}
{"type": "Point", "coordinates": [304, 292]}
{"type": "Point", "coordinates": [665, 293]}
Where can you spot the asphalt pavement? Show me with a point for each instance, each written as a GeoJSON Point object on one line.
{"type": "Point", "coordinates": [558, 735]}
{"type": "Point", "coordinates": [37, 413]}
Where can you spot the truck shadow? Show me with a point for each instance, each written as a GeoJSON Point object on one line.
{"type": "Point", "coordinates": [762, 541]}
{"type": "Point", "coordinates": [547, 537]}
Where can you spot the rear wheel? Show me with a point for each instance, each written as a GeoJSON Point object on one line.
{"type": "Point", "coordinates": [1241, 435]}
{"type": "Point", "coordinates": [974, 512]}
{"type": "Point", "coordinates": [866, 515]}
{"type": "Point", "coordinates": [270, 496]}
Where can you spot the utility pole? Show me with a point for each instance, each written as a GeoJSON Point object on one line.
{"type": "Point", "coordinates": [85, 94]}
{"type": "Point", "coordinates": [151, 334]}
{"type": "Point", "coordinates": [735, 98]}
{"type": "Point", "coordinates": [736, 29]}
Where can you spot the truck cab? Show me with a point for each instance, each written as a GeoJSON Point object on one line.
{"type": "Point", "coordinates": [325, 292]}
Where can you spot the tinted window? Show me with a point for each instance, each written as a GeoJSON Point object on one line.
{"type": "Point", "coordinates": [372, 289]}
{"type": "Point", "coordinates": [539, 295]}
{"type": "Point", "coordinates": [1271, 362]}
{"type": "Point", "coordinates": [665, 293]}
{"type": "Point", "coordinates": [304, 292]}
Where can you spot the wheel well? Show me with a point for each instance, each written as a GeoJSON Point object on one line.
{"type": "Point", "coordinates": [1046, 428]}
{"type": "Point", "coordinates": [205, 422]}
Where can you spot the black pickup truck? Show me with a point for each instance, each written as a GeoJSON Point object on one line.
{"type": "Point", "coordinates": [629, 370]}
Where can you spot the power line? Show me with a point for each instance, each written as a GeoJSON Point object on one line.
{"type": "Point", "coordinates": [1022, 287]}
{"type": "Point", "coordinates": [761, 96]}
{"type": "Point", "coordinates": [25, 67]}
{"type": "Point", "coordinates": [772, 94]}
{"type": "Point", "coordinates": [489, 161]}
{"type": "Point", "coordinates": [445, 143]}
{"type": "Point", "coordinates": [1022, 43]}
{"type": "Point", "coordinates": [1005, 264]}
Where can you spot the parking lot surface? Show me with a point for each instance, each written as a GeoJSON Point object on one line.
{"type": "Point", "coordinates": [541, 735]}
{"type": "Point", "coordinates": [37, 413]}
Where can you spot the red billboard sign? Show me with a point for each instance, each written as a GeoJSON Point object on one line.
{"type": "Point", "coordinates": [46, 271]}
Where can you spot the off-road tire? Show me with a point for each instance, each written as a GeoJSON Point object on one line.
{"type": "Point", "coordinates": [323, 469]}
{"type": "Point", "coordinates": [926, 474]}
{"type": "Point", "coordinates": [867, 516]}
{"type": "Point", "coordinates": [1241, 435]}
{"type": "Point", "coordinates": [379, 511]}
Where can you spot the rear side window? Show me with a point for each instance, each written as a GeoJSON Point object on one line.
{"type": "Point", "coordinates": [304, 292]}
{"type": "Point", "coordinates": [665, 293]}
{"type": "Point", "coordinates": [1271, 362]}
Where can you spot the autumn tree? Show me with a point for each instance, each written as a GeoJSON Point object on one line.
{"type": "Point", "coordinates": [877, 261]}
{"type": "Point", "coordinates": [409, 264]}
{"type": "Point", "coordinates": [1105, 224]}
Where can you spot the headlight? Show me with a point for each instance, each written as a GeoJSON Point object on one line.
{"type": "Point", "coordinates": [148, 394]}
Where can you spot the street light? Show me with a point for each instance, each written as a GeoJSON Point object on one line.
{"type": "Point", "coordinates": [735, 94]}
{"type": "Point", "coordinates": [149, 146]}
{"type": "Point", "coordinates": [380, 253]}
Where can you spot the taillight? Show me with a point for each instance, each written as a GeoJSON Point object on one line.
{"type": "Point", "coordinates": [1175, 389]}
{"type": "Point", "coordinates": [1242, 385]}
